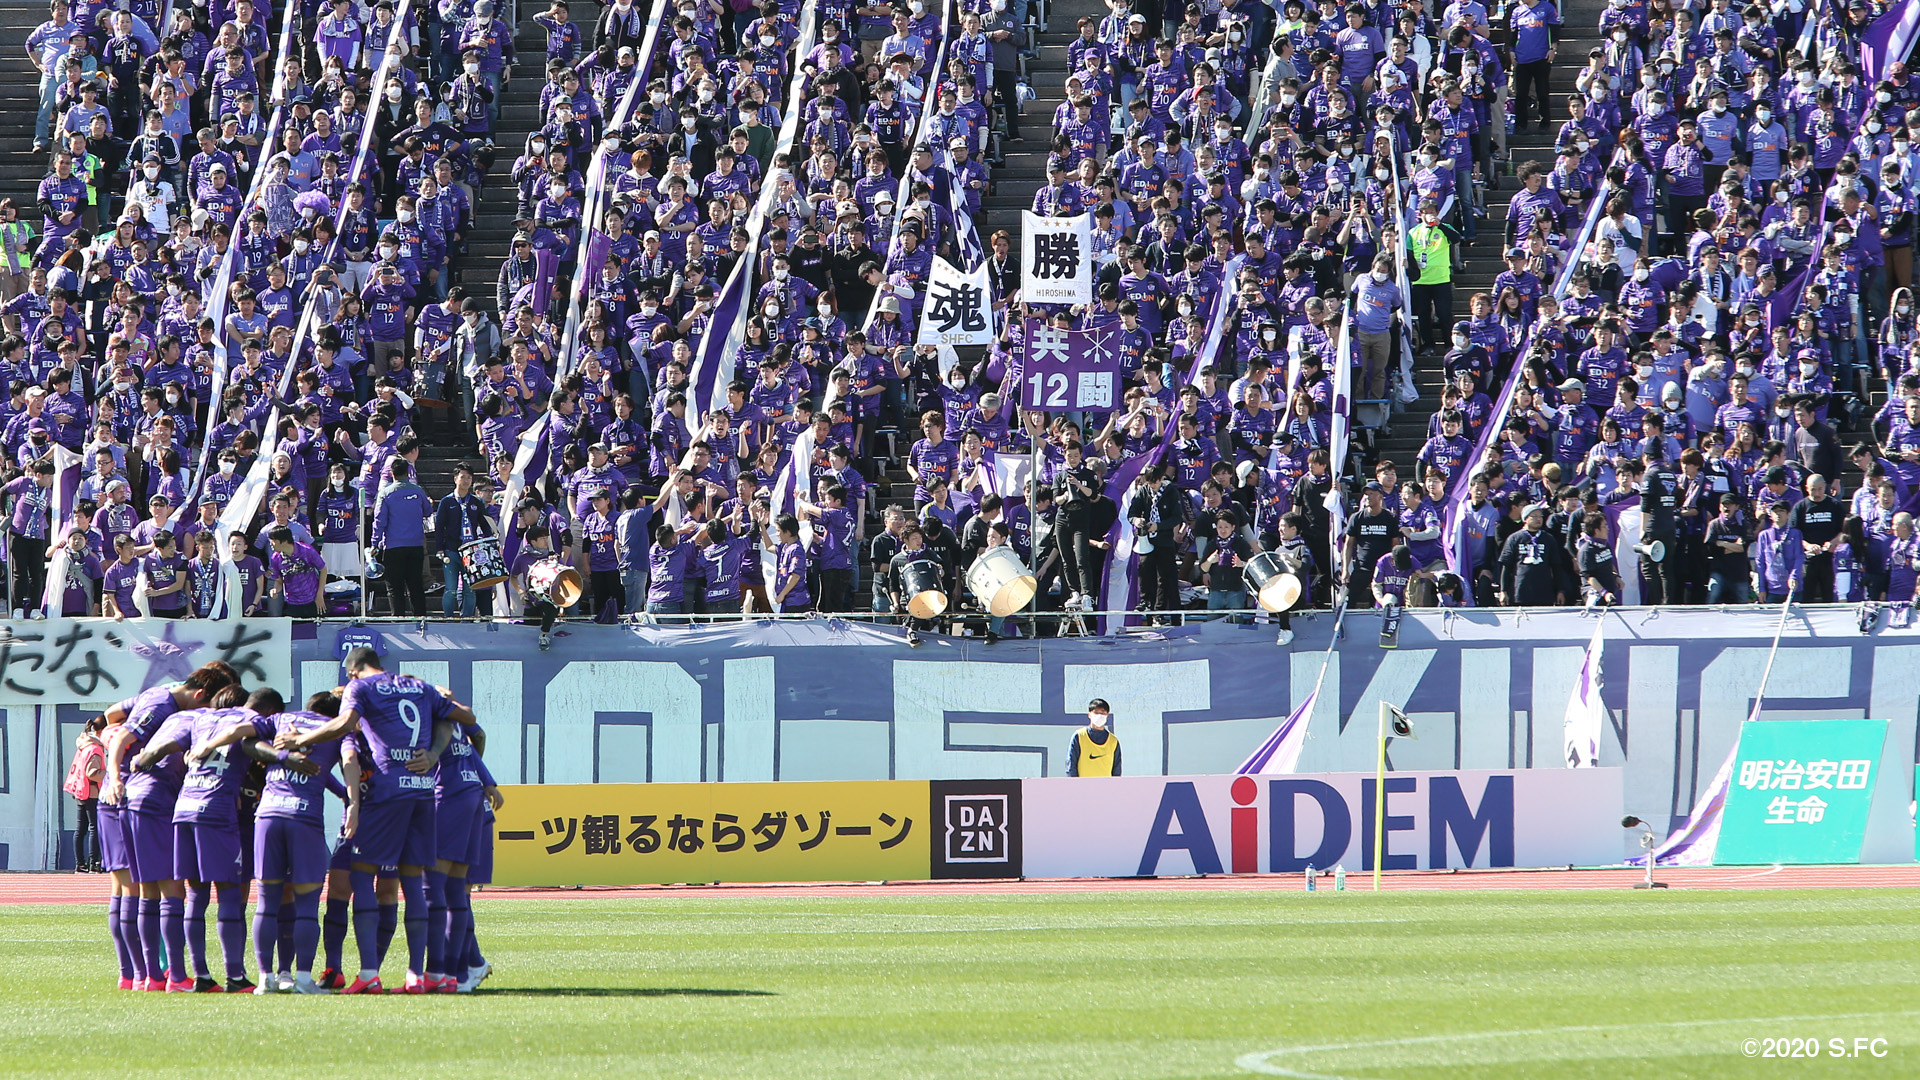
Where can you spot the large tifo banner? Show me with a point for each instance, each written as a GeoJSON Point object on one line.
{"type": "Point", "coordinates": [823, 700]}
{"type": "Point", "coordinates": [55, 674]}
{"type": "Point", "coordinates": [903, 830]}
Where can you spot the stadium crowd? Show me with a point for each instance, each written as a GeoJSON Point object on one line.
{"type": "Point", "coordinates": [219, 275]}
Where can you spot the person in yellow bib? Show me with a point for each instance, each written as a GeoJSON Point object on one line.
{"type": "Point", "coordinates": [1095, 751]}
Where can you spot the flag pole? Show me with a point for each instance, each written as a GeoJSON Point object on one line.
{"type": "Point", "coordinates": [1786, 609]}
{"type": "Point", "coordinates": [1380, 799]}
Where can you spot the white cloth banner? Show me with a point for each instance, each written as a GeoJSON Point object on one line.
{"type": "Point", "coordinates": [69, 661]}
{"type": "Point", "coordinates": [1586, 713]}
{"type": "Point", "coordinates": [1056, 264]}
{"type": "Point", "coordinates": [958, 308]}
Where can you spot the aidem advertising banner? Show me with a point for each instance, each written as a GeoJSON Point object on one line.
{"type": "Point", "coordinates": [905, 830]}
{"type": "Point", "coordinates": [1162, 825]}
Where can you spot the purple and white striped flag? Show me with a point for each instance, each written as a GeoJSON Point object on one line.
{"type": "Point", "coordinates": [1281, 752]}
{"type": "Point", "coordinates": [1586, 713]}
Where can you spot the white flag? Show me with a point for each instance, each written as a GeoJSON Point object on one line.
{"type": "Point", "coordinates": [1056, 260]}
{"type": "Point", "coordinates": [958, 308]}
{"type": "Point", "coordinates": [1586, 713]}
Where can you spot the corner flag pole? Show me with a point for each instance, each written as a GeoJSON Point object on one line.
{"type": "Point", "coordinates": [1380, 798]}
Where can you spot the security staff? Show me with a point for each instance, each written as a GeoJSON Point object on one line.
{"type": "Point", "coordinates": [1094, 751]}
{"type": "Point", "coordinates": [1431, 245]}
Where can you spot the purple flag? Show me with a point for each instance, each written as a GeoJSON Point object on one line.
{"type": "Point", "coordinates": [713, 367]}
{"type": "Point", "coordinates": [1069, 369]}
{"type": "Point", "coordinates": [1888, 39]}
{"type": "Point", "coordinates": [1457, 496]}
{"type": "Point", "coordinates": [1281, 752]}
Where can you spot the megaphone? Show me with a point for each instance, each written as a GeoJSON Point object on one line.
{"type": "Point", "coordinates": [1653, 550]}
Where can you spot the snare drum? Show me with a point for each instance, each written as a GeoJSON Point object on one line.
{"type": "Point", "coordinates": [481, 563]}
{"type": "Point", "coordinates": [551, 581]}
{"type": "Point", "coordinates": [1001, 582]}
{"type": "Point", "coordinates": [926, 595]}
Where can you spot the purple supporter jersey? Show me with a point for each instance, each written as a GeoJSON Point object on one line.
{"type": "Point", "coordinates": [287, 794]}
{"type": "Point", "coordinates": [397, 714]}
{"type": "Point", "coordinates": [156, 789]}
{"type": "Point", "coordinates": [210, 794]}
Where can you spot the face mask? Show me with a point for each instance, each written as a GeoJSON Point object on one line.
{"type": "Point", "coordinates": [557, 193]}
{"type": "Point", "coordinates": [1903, 308]}
{"type": "Point", "coordinates": [1656, 110]}
{"type": "Point", "coordinates": [1763, 115]}
{"type": "Point", "coordinates": [1842, 237]}
{"type": "Point", "coordinates": [771, 311]}
{"type": "Point", "coordinates": [1097, 719]}
{"type": "Point", "coordinates": [1806, 78]}
{"type": "Point", "coordinates": [404, 215]}
{"type": "Point", "coordinates": [474, 69]}
{"type": "Point", "coordinates": [388, 252]}
{"type": "Point", "coordinates": [1288, 99]}
{"type": "Point", "coordinates": [152, 172]}
{"type": "Point", "coordinates": [1620, 37]}
{"type": "Point", "coordinates": [1459, 341]}
{"type": "Point", "coordinates": [226, 468]}
{"type": "Point", "coordinates": [393, 93]}
{"type": "Point", "coordinates": [1640, 275]}
{"type": "Point", "coordinates": [747, 115]}
{"type": "Point", "coordinates": [173, 398]}
{"type": "Point", "coordinates": [1643, 370]}
{"type": "Point", "coordinates": [1382, 175]}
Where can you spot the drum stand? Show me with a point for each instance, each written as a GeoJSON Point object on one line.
{"type": "Point", "coordinates": [1073, 623]}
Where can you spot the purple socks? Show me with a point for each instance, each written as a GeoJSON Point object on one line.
{"type": "Point", "coordinates": [335, 932]}
{"type": "Point", "coordinates": [173, 928]}
{"type": "Point", "coordinates": [151, 936]}
{"type": "Point", "coordinates": [121, 950]}
{"type": "Point", "coordinates": [459, 921]}
{"type": "Point", "coordinates": [306, 929]}
{"type": "Point", "coordinates": [414, 891]}
{"type": "Point", "coordinates": [436, 926]}
{"type": "Point", "coordinates": [366, 920]}
{"type": "Point", "coordinates": [266, 918]}
{"type": "Point", "coordinates": [199, 898]}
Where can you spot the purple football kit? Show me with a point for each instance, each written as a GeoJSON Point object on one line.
{"type": "Point", "coordinates": [397, 714]}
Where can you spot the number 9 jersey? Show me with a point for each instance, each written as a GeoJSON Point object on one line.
{"type": "Point", "coordinates": [397, 714]}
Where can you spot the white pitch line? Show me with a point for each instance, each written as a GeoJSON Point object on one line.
{"type": "Point", "coordinates": [1261, 1061]}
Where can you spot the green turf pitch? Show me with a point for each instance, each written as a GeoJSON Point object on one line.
{"type": "Point", "coordinates": [1131, 984]}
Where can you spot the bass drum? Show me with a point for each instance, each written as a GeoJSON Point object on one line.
{"type": "Point", "coordinates": [926, 594]}
{"type": "Point", "coordinates": [481, 563]}
{"type": "Point", "coordinates": [1001, 582]}
{"type": "Point", "coordinates": [553, 582]}
{"type": "Point", "coordinates": [1274, 581]}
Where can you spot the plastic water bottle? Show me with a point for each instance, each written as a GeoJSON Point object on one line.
{"type": "Point", "coordinates": [1340, 878]}
{"type": "Point", "coordinates": [1312, 885]}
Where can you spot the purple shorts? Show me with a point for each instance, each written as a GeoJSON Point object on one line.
{"type": "Point", "coordinates": [151, 837]}
{"type": "Point", "coordinates": [116, 844]}
{"type": "Point", "coordinates": [398, 832]}
{"type": "Point", "coordinates": [207, 853]}
{"type": "Point", "coordinates": [459, 826]}
{"type": "Point", "coordinates": [288, 849]}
